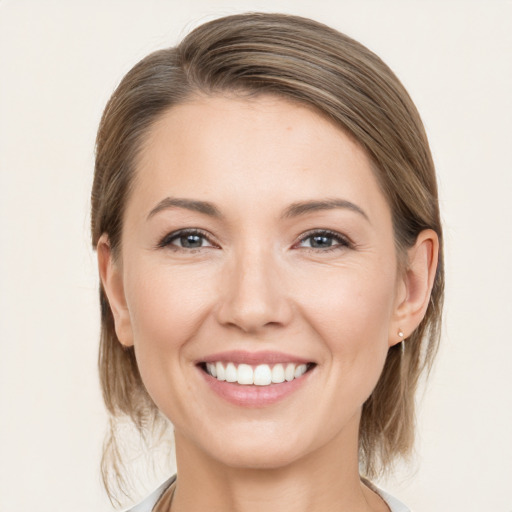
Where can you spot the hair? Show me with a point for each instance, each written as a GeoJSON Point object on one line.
{"type": "Point", "coordinates": [304, 61]}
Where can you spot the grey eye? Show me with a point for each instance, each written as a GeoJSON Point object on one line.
{"type": "Point", "coordinates": [324, 240]}
{"type": "Point", "coordinates": [190, 241]}
{"type": "Point", "coordinates": [320, 241]}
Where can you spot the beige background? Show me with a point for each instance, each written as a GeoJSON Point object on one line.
{"type": "Point", "coordinates": [60, 61]}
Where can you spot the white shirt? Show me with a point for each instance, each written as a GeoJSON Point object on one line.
{"type": "Point", "coordinates": [148, 503]}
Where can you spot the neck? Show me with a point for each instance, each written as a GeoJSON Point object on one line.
{"type": "Point", "coordinates": [325, 480]}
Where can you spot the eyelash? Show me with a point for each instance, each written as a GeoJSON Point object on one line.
{"type": "Point", "coordinates": [342, 241]}
{"type": "Point", "coordinates": [168, 239]}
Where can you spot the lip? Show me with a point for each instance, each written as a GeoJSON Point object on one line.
{"type": "Point", "coordinates": [254, 396]}
{"type": "Point", "coordinates": [253, 358]}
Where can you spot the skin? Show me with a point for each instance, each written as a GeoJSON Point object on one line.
{"type": "Point", "coordinates": [259, 282]}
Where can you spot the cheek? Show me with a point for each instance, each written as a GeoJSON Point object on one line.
{"type": "Point", "coordinates": [166, 300]}
{"type": "Point", "coordinates": [167, 307]}
{"type": "Point", "coordinates": [351, 301]}
{"type": "Point", "coordinates": [352, 316]}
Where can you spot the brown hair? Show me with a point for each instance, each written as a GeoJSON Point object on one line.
{"type": "Point", "coordinates": [305, 61]}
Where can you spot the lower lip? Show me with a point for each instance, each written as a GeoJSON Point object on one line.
{"type": "Point", "coordinates": [254, 396]}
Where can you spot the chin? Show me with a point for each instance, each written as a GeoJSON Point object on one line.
{"type": "Point", "coordinates": [267, 450]}
{"type": "Point", "coordinates": [262, 457]}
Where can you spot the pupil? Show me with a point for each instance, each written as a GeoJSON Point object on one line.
{"type": "Point", "coordinates": [321, 241]}
{"type": "Point", "coordinates": [191, 241]}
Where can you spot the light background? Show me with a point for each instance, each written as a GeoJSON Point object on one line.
{"type": "Point", "coordinates": [60, 61]}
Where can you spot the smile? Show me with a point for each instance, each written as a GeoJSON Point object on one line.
{"type": "Point", "coordinates": [255, 379]}
{"type": "Point", "coordinates": [257, 375]}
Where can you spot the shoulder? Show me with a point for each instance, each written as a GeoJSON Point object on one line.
{"type": "Point", "coordinates": [394, 504]}
{"type": "Point", "coordinates": [150, 501]}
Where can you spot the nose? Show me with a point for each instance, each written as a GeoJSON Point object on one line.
{"type": "Point", "coordinates": [255, 295]}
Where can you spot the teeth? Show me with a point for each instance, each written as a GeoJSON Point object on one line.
{"type": "Point", "coordinates": [289, 373]}
{"type": "Point", "coordinates": [261, 375]}
{"type": "Point", "coordinates": [231, 373]}
{"type": "Point", "coordinates": [278, 373]}
{"type": "Point", "coordinates": [300, 370]}
{"type": "Point", "coordinates": [219, 369]}
{"type": "Point", "coordinates": [212, 369]}
{"type": "Point", "coordinates": [245, 374]}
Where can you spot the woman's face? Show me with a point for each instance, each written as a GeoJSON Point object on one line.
{"type": "Point", "coordinates": [256, 238]}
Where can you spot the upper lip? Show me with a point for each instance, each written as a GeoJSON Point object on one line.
{"type": "Point", "coordinates": [263, 357]}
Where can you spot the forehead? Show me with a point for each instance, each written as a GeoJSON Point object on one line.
{"type": "Point", "coordinates": [221, 148]}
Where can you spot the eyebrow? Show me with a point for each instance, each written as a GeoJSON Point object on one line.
{"type": "Point", "coordinates": [294, 210]}
{"type": "Point", "coordinates": [203, 207]}
{"type": "Point", "coordinates": [304, 207]}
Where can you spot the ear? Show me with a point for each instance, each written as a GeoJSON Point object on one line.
{"type": "Point", "coordinates": [112, 281]}
{"type": "Point", "coordinates": [415, 286]}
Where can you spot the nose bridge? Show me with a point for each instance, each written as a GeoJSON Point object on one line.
{"type": "Point", "coordinates": [255, 295]}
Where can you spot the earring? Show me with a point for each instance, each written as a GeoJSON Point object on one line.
{"type": "Point", "coordinates": [401, 336]}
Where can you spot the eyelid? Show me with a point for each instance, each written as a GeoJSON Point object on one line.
{"type": "Point", "coordinates": [166, 241]}
{"type": "Point", "coordinates": [344, 241]}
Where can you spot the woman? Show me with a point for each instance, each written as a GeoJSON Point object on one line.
{"type": "Point", "coordinates": [266, 220]}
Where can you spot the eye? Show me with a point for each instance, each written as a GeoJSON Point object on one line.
{"type": "Point", "coordinates": [186, 239]}
{"type": "Point", "coordinates": [324, 240]}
